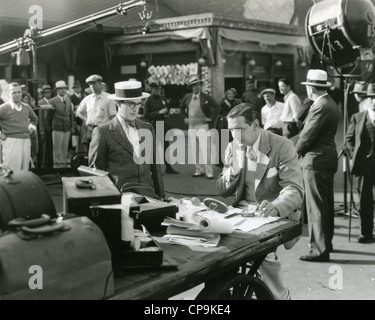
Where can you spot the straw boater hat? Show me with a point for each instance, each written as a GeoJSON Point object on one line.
{"type": "Point", "coordinates": [317, 78]}
{"type": "Point", "coordinates": [128, 90]}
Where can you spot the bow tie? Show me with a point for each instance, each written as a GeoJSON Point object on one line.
{"type": "Point", "coordinates": [130, 123]}
{"type": "Point", "coordinates": [250, 153]}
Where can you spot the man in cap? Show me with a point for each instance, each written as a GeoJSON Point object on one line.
{"type": "Point", "coordinates": [200, 111]}
{"type": "Point", "coordinates": [76, 99]}
{"type": "Point", "coordinates": [156, 110]}
{"type": "Point", "coordinates": [17, 122]}
{"type": "Point", "coordinates": [360, 139]}
{"type": "Point", "coordinates": [62, 125]}
{"type": "Point", "coordinates": [116, 146]}
{"type": "Point", "coordinates": [252, 94]}
{"type": "Point", "coordinates": [271, 112]}
{"type": "Point", "coordinates": [45, 127]}
{"type": "Point", "coordinates": [96, 108]}
{"type": "Point", "coordinates": [317, 151]}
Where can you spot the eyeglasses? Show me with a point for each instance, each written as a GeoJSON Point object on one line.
{"type": "Point", "coordinates": [132, 105]}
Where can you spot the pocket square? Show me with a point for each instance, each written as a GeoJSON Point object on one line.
{"type": "Point", "coordinates": [271, 173]}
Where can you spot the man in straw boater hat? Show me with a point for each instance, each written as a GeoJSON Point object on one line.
{"type": "Point", "coordinates": [360, 139]}
{"type": "Point", "coordinates": [116, 145]}
{"type": "Point", "coordinates": [316, 148]}
{"type": "Point", "coordinates": [200, 111]}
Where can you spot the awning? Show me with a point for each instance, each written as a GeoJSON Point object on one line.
{"type": "Point", "coordinates": [262, 37]}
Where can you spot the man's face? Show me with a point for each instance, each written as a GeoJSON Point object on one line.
{"type": "Point", "coordinates": [104, 87]}
{"type": "Point", "coordinates": [47, 94]}
{"type": "Point", "coordinates": [309, 91]}
{"type": "Point", "coordinates": [372, 104]}
{"type": "Point", "coordinates": [196, 88]}
{"type": "Point", "coordinates": [15, 94]}
{"type": "Point", "coordinates": [251, 86]}
{"type": "Point", "coordinates": [77, 90]}
{"type": "Point", "coordinates": [61, 92]}
{"type": "Point", "coordinates": [284, 89]}
{"type": "Point", "coordinates": [242, 132]}
{"type": "Point", "coordinates": [129, 109]}
{"type": "Point", "coordinates": [269, 98]}
{"type": "Point", "coordinates": [96, 86]}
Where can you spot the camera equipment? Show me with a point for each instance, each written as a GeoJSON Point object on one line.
{"type": "Point", "coordinates": [342, 32]}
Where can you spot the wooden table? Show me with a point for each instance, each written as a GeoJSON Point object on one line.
{"type": "Point", "coordinates": [208, 265]}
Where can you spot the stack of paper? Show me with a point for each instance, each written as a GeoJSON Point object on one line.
{"type": "Point", "coordinates": [189, 234]}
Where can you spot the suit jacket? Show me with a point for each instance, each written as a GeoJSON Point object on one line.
{"type": "Point", "coordinates": [209, 106]}
{"type": "Point", "coordinates": [62, 114]}
{"type": "Point", "coordinates": [111, 150]}
{"type": "Point", "coordinates": [278, 174]}
{"type": "Point", "coordinates": [316, 143]}
{"type": "Point", "coordinates": [354, 140]}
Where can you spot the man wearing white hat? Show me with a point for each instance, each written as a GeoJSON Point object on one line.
{"type": "Point", "coordinates": [96, 108]}
{"type": "Point", "coordinates": [62, 125]}
{"type": "Point", "coordinates": [317, 151]}
{"type": "Point", "coordinates": [116, 146]}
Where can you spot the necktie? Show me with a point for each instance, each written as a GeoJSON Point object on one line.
{"type": "Point", "coordinates": [250, 153]}
{"type": "Point", "coordinates": [130, 123]}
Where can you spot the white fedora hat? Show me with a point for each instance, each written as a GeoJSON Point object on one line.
{"type": "Point", "coordinates": [128, 90]}
{"type": "Point", "coordinates": [61, 84]}
{"type": "Point", "coordinates": [317, 78]}
{"type": "Point", "coordinates": [194, 79]}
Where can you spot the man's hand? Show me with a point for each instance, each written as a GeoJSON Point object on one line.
{"type": "Point", "coordinates": [267, 209]}
{"type": "Point", "coordinates": [186, 120]}
{"type": "Point", "coordinates": [163, 111]}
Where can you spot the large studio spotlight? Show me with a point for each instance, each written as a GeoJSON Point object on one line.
{"type": "Point", "coordinates": [342, 32]}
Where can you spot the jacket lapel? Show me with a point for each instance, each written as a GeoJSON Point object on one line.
{"type": "Point", "coordinates": [263, 159]}
{"type": "Point", "coordinates": [119, 135]}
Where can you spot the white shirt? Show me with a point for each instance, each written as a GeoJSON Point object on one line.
{"type": "Point", "coordinates": [15, 106]}
{"type": "Point", "coordinates": [252, 164]}
{"type": "Point", "coordinates": [271, 115]}
{"type": "Point", "coordinates": [292, 107]}
{"type": "Point", "coordinates": [132, 134]}
{"type": "Point", "coordinates": [371, 114]}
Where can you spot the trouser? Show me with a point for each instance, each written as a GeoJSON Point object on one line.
{"type": "Point", "coordinates": [290, 129]}
{"type": "Point", "coordinates": [60, 148]}
{"type": "Point", "coordinates": [17, 153]}
{"type": "Point", "coordinates": [366, 201]}
{"type": "Point", "coordinates": [197, 135]}
{"type": "Point", "coordinates": [270, 271]}
{"type": "Point", "coordinates": [319, 198]}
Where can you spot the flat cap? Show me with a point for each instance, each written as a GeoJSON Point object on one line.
{"type": "Point", "coordinates": [94, 77]}
{"type": "Point", "coordinates": [76, 84]}
{"type": "Point", "coordinates": [268, 90]}
{"type": "Point", "coordinates": [46, 87]}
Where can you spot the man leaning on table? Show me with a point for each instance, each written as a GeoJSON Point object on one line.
{"type": "Point", "coordinates": [262, 168]}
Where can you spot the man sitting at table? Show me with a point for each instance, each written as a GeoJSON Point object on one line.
{"type": "Point", "coordinates": [261, 168]}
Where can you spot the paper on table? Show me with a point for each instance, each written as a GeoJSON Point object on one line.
{"type": "Point", "coordinates": [249, 224]}
{"type": "Point", "coordinates": [193, 241]}
{"type": "Point", "coordinates": [215, 225]}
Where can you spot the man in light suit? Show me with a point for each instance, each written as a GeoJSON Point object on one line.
{"type": "Point", "coordinates": [116, 145]}
{"type": "Point", "coordinates": [360, 139]}
{"type": "Point", "coordinates": [316, 148]}
{"type": "Point", "coordinates": [262, 169]}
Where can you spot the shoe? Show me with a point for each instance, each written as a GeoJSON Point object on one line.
{"type": "Point", "coordinates": [197, 174]}
{"type": "Point", "coordinates": [365, 239]}
{"type": "Point", "coordinates": [171, 170]}
{"type": "Point", "coordinates": [315, 258]}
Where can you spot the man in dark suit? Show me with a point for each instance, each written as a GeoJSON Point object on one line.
{"type": "Point", "coordinates": [62, 125]}
{"type": "Point", "coordinates": [200, 111]}
{"type": "Point", "coordinates": [116, 146]}
{"type": "Point", "coordinates": [360, 139]}
{"type": "Point", "coordinates": [318, 157]}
